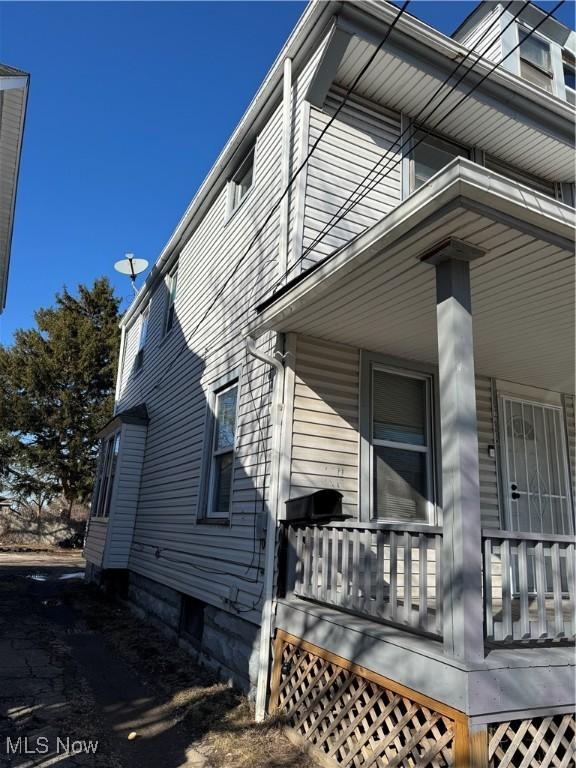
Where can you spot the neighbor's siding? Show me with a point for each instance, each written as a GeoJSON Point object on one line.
{"type": "Point", "coordinates": [125, 499]}
{"type": "Point", "coordinates": [221, 565]}
{"type": "Point", "coordinates": [325, 425]}
{"type": "Point", "coordinates": [490, 46]}
{"type": "Point", "coordinates": [95, 540]}
{"type": "Point", "coordinates": [361, 135]}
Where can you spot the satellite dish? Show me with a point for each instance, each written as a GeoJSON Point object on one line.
{"type": "Point", "coordinates": [131, 266]}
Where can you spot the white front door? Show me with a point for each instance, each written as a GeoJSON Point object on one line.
{"type": "Point", "coordinates": [535, 467]}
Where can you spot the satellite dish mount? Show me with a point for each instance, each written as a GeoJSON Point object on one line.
{"type": "Point", "coordinates": [132, 267]}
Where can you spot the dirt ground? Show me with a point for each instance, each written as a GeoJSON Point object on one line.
{"type": "Point", "coordinates": [85, 683]}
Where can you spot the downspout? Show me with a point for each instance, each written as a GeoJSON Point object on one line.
{"type": "Point", "coordinates": [285, 168]}
{"type": "Point", "coordinates": [276, 410]}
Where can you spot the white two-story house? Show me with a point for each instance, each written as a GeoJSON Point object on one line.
{"type": "Point", "coordinates": [371, 295]}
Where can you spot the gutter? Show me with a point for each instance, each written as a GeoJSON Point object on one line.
{"type": "Point", "coordinates": [277, 411]}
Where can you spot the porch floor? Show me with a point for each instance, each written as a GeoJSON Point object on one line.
{"type": "Point", "coordinates": [508, 680]}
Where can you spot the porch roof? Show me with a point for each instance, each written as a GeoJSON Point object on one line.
{"type": "Point", "coordinates": [376, 294]}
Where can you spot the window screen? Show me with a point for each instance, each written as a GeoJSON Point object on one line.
{"type": "Point", "coordinates": [401, 447]}
{"type": "Point", "coordinates": [535, 63]}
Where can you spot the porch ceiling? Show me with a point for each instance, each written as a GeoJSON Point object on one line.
{"type": "Point", "coordinates": [376, 294]}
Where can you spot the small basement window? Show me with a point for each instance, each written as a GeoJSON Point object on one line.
{"type": "Point", "coordinates": [172, 284]}
{"type": "Point", "coordinates": [535, 60]}
{"type": "Point", "coordinates": [430, 155]}
{"type": "Point", "coordinates": [192, 619]}
{"type": "Point", "coordinates": [142, 338]}
{"type": "Point", "coordinates": [241, 181]}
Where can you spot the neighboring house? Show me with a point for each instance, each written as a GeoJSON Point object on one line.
{"type": "Point", "coordinates": [415, 355]}
{"type": "Point", "coordinates": [13, 96]}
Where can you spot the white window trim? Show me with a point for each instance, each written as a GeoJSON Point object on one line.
{"type": "Point", "coordinates": [232, 185]}
{"type": "Point", "coordinates": [173, 273]}
{"type": "Point", "coordinates": [142, 335]}
{"type": "Point", "coordinates": [369, 362]}
{"type": "Point", "coordinates": [102, 505]}
{"type": "Point", "coordinates": [206, 495]}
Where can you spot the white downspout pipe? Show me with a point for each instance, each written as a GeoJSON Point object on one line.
{"type": "Point", "coordinates": [276, 410]}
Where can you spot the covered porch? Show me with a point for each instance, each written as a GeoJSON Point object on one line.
{"type": "Point", "coordinates": [461, 523]}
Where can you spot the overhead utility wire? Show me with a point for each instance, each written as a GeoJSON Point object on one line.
{"type": "Point", "coordinates": [347, 206]}
{"type": "Point", "coordinates": [276, 205]}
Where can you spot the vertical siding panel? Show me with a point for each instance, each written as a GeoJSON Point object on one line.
{"type": "Point", "coordinates": [489, 499]}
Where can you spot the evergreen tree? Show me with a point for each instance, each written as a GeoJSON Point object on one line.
{"type": "Point", "coordinates": [56, 391]}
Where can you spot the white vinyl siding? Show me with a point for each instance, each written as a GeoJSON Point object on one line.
{"type": "Point", "coordinates": [491, 45]}
{"type": "Point", "coordinates": [487, 454]}
{"type": "Point", "coordinates": [361, 134]}
{"type": "Point", "coordinates": [95, 542]}
{"type": "Point", "coordinates": [325, 439]}
{"type": "Point", "coordinates": [221, 565]}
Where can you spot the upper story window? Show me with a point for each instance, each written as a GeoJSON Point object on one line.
{"type": "Point", "coordinates": [534, 182]}
{"type": "Point", "coordinates": [241, 181]}
{"type": "Point", "coordinates": [222, 452]}
{"type": "Point", "coordinates": [569, 77]}
{"type": "Point", "coordinates": [431, 155]}
{"type": "Point", "coordinates": [172, 285]}
{"type": "Point", "coordinates": [142, 338]}
{"type": "Point", "coordinates": [535, 60]}
{"type": "Point", "coordinates": [108, 459]}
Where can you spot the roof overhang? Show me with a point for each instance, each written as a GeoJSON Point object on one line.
{"type": "Point", "coordinates": [137, 415]}
{"type": "Point", "coordinates": [13, 97]}
{"type": "Point", "coordinates": [376, 294]}
{"type": "Point", "coordinates": [344, 24]}
{"type": "Point", "coordinates": [505, 116]}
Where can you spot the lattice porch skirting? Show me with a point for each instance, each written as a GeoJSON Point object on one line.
{"type": "Point", "coordinates": [542, 742]}
{"type": "Point", "coordinates": [357, 719]}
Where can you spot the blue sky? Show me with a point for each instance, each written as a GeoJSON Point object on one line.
{"type": "Point", "coordinates": [130, 103]}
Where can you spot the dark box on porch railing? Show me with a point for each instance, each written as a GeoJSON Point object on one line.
{"type": "Point", "coordinates": [322, 506]}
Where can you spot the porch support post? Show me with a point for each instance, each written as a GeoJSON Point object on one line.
{"type": "Point", "coordinates": [462, 529]}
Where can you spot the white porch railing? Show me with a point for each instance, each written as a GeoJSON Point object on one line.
{"type": "Point", "coordinates": [393, 573]}
{"type": "Point", "coordinates": [529, 586]}
{"type": "Point", "coordinates": [389, 572]}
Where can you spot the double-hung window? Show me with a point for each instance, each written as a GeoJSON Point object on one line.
{"type": "Point", "coordinates": [430, 155]}
{"type": "Point", "coordinates": [535, 60]}
{"type": "Point", "coordinates": [401, 446]}
{"type": "Point", "coordinates": [172, 285]}
{"type": "Point", "coordinates": [142, 338]}
{"type": "Point", "coordinates": [105, 475]}
{"type": "Point", "coordinates": [223, 446]}
{"type": "Point", "coordinates": [241, 181]}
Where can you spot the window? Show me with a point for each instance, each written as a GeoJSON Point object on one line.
{"type": "Point", "coordinates": [431, 155]}
{"type": "Point", "coordinates": [105, 475]}
{"type": "Point", "coordinates": [241, 181]}
{"type": "Point", "coordinates": [223, 446]}
{"type": "Point", "coordinates": [569, 77]}
{"type": "Point", "coordinates": [401, 446]}
{"type": "Point", "coordinates": [142, 338]}
{"type": "Point", "coordinates": [522, 177]}
{"type": "Point", "coordinates": [535, 59]}
{"type": "Point", "coordinates": [172, 286]}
